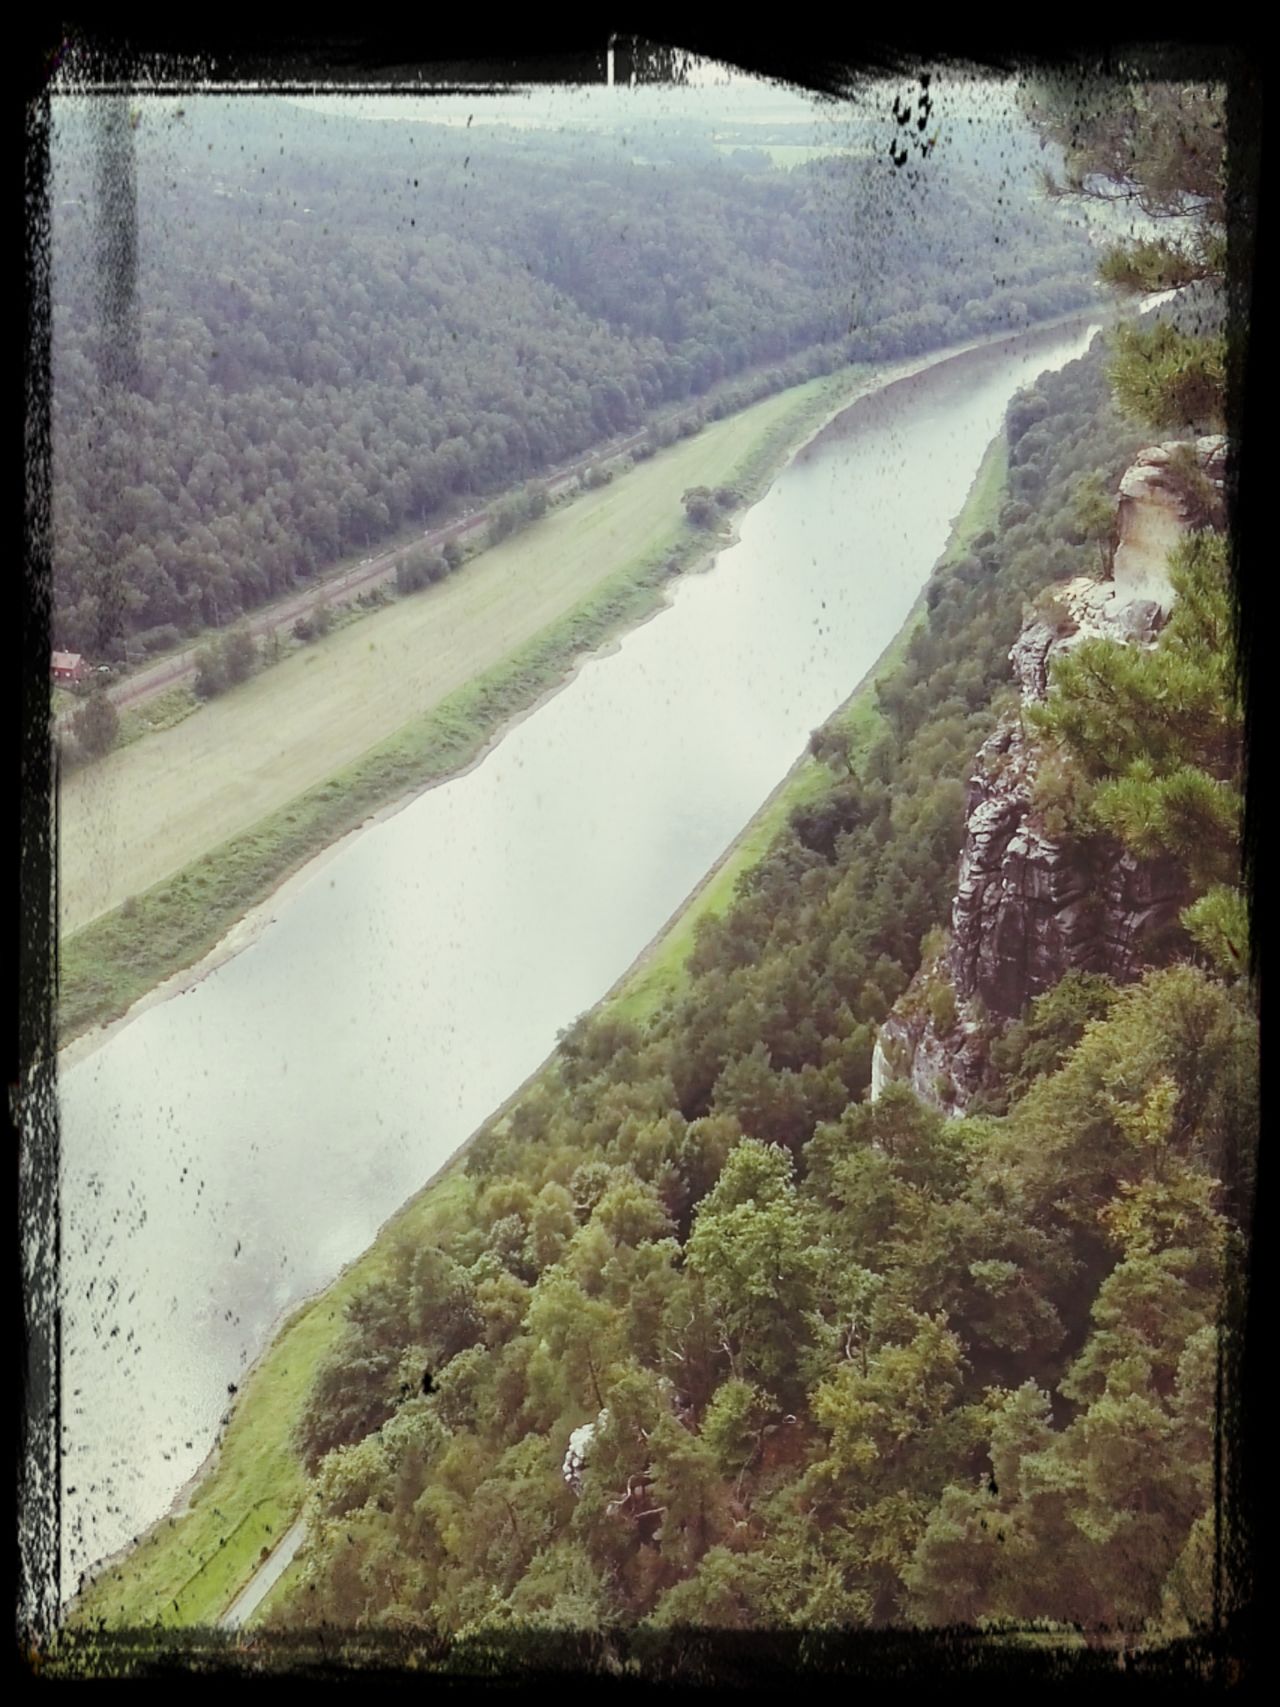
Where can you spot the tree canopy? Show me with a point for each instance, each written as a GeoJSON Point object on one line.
{"type": "Point", "coordinates": [348, 330]}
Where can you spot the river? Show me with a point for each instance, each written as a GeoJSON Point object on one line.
{"type": "Point", "coordinates": [226, 1151]}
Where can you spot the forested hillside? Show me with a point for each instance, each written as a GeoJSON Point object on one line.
{"type": "Point", "coordinates": [345, 328]}
{"type": "Point", "coordinates": [715, 1325]}
{"type": "Point", "coordinates": [825, 1361]}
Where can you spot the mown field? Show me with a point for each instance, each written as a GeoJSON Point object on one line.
{"type": "Point", "coordinates": [186, 1571]}
{"type": "Point", "coordinates": [788, 154]}
{"type": "Point", "coordinates": [152, 807]}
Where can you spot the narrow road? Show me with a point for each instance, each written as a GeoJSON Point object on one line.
{"type": "Point", "coordinates": [264, 1578]}
{"type": "Point", "coordinates": [141, 685]}
{"type": "Point", "coordinates": [144, 684]}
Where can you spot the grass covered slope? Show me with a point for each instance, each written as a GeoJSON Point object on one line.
{"type": "Point", "coordinates": [187, 1569]}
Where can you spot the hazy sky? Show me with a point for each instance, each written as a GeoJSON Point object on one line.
{"type": "Point", "coordinates": [715, 89]}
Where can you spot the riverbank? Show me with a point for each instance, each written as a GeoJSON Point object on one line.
{"type": "Point", "coordinates": [355, 768]}
{"type": "Point", "coordinates": [658, 972]}
{"type": "Point", "coordinates": [185, 1569]}
{"type": "Point", "coordinates": [178, 922]}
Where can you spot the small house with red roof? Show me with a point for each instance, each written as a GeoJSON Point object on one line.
{"type": "Point", "coordinates": [69, 667]}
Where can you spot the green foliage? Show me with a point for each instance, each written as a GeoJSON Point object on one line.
{"type": "Point", "coordinates": [239, 655]}
{"type": "Point", "coordinates": [1184, 812]}
{"type": "Point", "coordinates": [1039, 1044]}
{"type": "Point", "coordinates": [724, 1593]}
{"type": "Point", "coordinates": [1219, 923]}
{"type": "Point", "coordinates": [224, 662]}
{"type": "Point", "coordinates": [211, 673]}
{"type": "Point", "coordinates": [751, 1247]}
{"type": "Point", "coordinates": [560, 1590]}
{"type": "Point", "coordinates": [582, 1335]}
{"type": "Point", "coordinates": [1170, 380]}
{"type": "Point", "coordinates": [1201, 501]}
{"type": "Point", "coordinates": [1154, 264]}
{"type": "Point", "coordinates": [96, 725]}
{"type": "Point", "coordinates": [942, 1007]}
{"type": "Point", "coordinates": [1159, 143]}
{"type": "Point", "coordinates": [420, 567]}
{"type": "Point", "coordinates": [700, 506]}
{"type": "Point", "coordinates": [353, 1394]}
{"type": "Point", "coordinates": [1105, 1116]}
{"type": "Point", "coordinates": [830, 746]}
{"type": "Point", "coordinates": [1062, 796]}
{"type": "Point", "coordinates": [1088, 1524]}
{"type": "Point", "coordinates": [1159, 731]}
{"type": "Point", "coordinates": [1095, 514]}
{"type": "Point", "coordinates": [733, 1422]}
{"type": "Point", "coordinates": [856, 1362]}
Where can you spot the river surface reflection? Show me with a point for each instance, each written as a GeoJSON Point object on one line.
{"type": "Point", "coordinates": [228, 1150]}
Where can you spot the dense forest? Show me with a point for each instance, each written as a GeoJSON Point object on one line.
{"type": "Point", "coordinates": [708, 1335]}
{"type": "Point", "coordinates": [343, 329]}
{"type": "Point", "coordinates": [715, 1340]}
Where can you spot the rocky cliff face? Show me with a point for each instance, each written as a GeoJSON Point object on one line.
{"type": "Point", "coordinates": [1030, 906]}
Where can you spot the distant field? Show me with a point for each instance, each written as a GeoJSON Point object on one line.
{"type": "Point", "coordinates": [792, 153]}
{"type": "Point", "coordinates": [151, 808]}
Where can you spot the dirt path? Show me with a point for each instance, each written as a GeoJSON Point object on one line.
{"type": "Point", "coordinates": [142, 685]}
{"type": "Point", "coordinates": [264, 1578]}
{"type": "Point", "coordinates": [151, 807]}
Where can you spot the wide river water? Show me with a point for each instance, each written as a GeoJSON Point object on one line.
{"type": "Point", "coordinates": [226, 1151]}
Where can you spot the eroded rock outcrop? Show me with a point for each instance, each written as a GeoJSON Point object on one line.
{"type": "Point", "coordinates": [1030, 905]}
{"type": "Point", "coordinates": [1155, 508]}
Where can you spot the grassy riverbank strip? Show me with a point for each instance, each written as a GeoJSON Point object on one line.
{"type": "Point", "coordinates": [119, 957]}
{"type": "Point", "coordinates": [658, 975]}
{"type": "Point", "coordinates": [188, 1568]}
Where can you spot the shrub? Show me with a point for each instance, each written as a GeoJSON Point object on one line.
{"type": "Point", "coordinates": [160, 639]}
{"type": "Point", "coordinates": [96, 726]}
{"type": "Point", "coordinates": [211, 674]}
{"type": "Point", "coordinates": [942, 1007]}
{"type": "Point", "coordinates": [239, 655]}
{"type": "Point", "coordinates": [1060, 796]}
{"type": "Point", "coordinates": [699, 506]}
{"type": "Point", "coordinates": [411, 575]}
{"type": "Point", "coordinates": [506, 518]}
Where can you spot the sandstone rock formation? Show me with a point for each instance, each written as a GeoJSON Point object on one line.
{"type": "Point", "coordinates": [1030, 906]}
